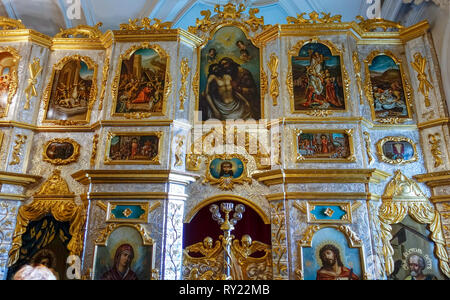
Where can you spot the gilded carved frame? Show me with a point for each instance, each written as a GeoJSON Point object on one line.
{"type": "Point", "coordinates": [59, 161]}
{"type": "Point", "coordinates": [102, 239]}
{"type": "Point", "coordinates": [306, 242]}
{"type": "Point", "coordinates": [368, 89]}
{"type": "Point", "coordinates": [403, 197]}
{"type": "Point", "coordinates": [115, 85]}
{"type": "Point", "coordinates": [227, 183]}
{"type": "Point", "coordinates": [92, 96]}
{"type": "Point", "coordinates": [263, 75]}
{"type": "Point", "coordinates": [301, 159]}
{"type": "Point", "coordinates": [14, 84]}
{"type": "Point", "coordinates": [154, 161]}
{"type": "Point", "coordinates": [399, 161]}
{"type": "Point", "coordinates": [335, 51]}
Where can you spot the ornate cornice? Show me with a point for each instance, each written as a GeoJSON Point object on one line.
{"type": "Point", "coordinates": [435, 179]}
{"type": "Point", "coordinates": [25, 180]}
{"type": "Point", "coordinates": [321, 176]}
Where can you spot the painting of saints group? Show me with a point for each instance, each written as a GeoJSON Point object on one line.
{"type": "Point", "coordinates": [230, 77]}
{"type": "Point", "coordinates": [142, 83]}
{"type": "Point", "coordinates": [387, 88]}
{"type": "Point", "coordinates": [317, 79]}
{"type": "Point", "coordinates": [133, 147]}
{"type": "Point", "coordinates": [71, 92]}
{"type": "Point", "coordinates": [329, 145]}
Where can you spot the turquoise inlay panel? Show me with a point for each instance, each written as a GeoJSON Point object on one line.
{"type": "Point", "coordinates": [319, 212]}
{"type": "Point", "coordinates": [136, 211]}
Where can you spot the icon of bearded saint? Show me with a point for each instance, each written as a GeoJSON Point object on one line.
{"type": "Point", "coordinates": [122, 261]}
{"type": "Point", "coordinates": [332, 266]}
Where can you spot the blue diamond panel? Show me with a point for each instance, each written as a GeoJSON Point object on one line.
{"type": "Point", "coordinates": [320, 212]}
{"type": "Point", "coordinates": [120, 212]}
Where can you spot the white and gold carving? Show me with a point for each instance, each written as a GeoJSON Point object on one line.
{"type": "Point", "coordinates": [435, 143]}
{"type": "Point", "coordinates": [21, 139]}
{"type": "Point", "coordinates": [368, 142]}
{"type": "Point", "coordinates": [274, 84]}
{"type": "Point", "coordinates": [420, 64]}
{"type": "Point", "coordinates": [30, 91]}
{"type": "Point", "coordinates": [184, 70]}
{"type": "Point", "coordinates": [179, 151]}
{"type": "Point", "coordinates": [403, 197]}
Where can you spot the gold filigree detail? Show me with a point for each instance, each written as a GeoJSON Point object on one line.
{"type": "Point", "coordinates": [196, 84]}
{"type": "Point", "coordinates": [179, 152]}
{"type": "Point", "coordinates": [435, 143]}
{"type": "Point", "coordinates": [54, 197]}
{"type": "Point", "coordinates": [13, 78]}
{"type": "Point", "coordinates": [368, 142]}
{"type": "Point", "coordinates": [81, 31]}
{"type": "Point", "coordinates": [385, 159]}
{"type": "Point", "coordinates": [146, 24]}
{"type": "Point", "coordinates": [321, 113]}
{"type": "Point", "coordinates": [11, 24]}
{"type": "Point", "coordinates": [202, 25]}
{"type": "Point", "coordinates": [103, 237]}
{"type": "Point", "coordinates": [274, 84]}
{"type": "Point", "coordinates": [60, 161]}
{"type": "Point", "coordinates": [227, 183]}
{"type": "Point", "coordinates": [375, 24]}
{"type": "Point", "coordinates": [115, 85]}
{"type": "Point", "coordinates": [279, 251]}
{"type": "Point", "coordinates": [104, 82]}
{"type": "Point", "coordinates": [404, 197]}
{"type": "Point", "coordinates": [419, 65]}
{"type": "Point", "coordinates": [314, 18]}
{"type": "Point", "coordinates": [254, 22]}
{"type": "Point", "coordinates": [264, 82]}
{"type": "Point", "coordinates": [92, 95]}
{"type": "Point", "coordinates": [184, 70]}
{"type": "Point", "coordinates": [357, 70]}
{"type": "Point", "coordinates": [30, 91]}
{"type": "Point", "coordinates": [21, 139]}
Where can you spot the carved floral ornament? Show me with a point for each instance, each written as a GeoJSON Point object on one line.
{"type": "Point", "coordinates": [404, 197]}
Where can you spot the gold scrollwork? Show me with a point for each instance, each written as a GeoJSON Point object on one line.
{"type": "Point", "coordinates": [306, 242]}
{"type": "Point", "coordinates": [274, 84]}
{"type": "Point", "coordinates": [335, 51]}
{"type": "Point", "coordinates": [420, 64]}
{"type": "Point", "coordinates": [54, 197]}
{"type": "Point", "coordinates": [94, 150]}
{"type": "Point", "coordinates": [357, 70]}
{"type": "Point", "coordinates": [301, 159]}
{"type": "Point", "coordinates": [404, 197]}
{"type": "Point", "coordinates": [91, 32]}
{"type": "Point", "coordinates": [385, 159]}
{"type": "Point", "coordinates": [11, 24]}
{"type": "Point", "coordinates": [375, 24]}
{"type": "Point", "coordinates": [184, 70]}
{"type": "Point", "coordinates": [13, 78]}
{"type": "Point", "coordinates": [104, 82]}
{"type": "Point", "coordinates": [227, 183]}
{"type": "Point", "coordinates": [21, 139]}
{"type": "Point", "coordinates": [30, 91]}
{"type": "Point", "coordinates": [368, 142]}
{"type": "Point", "coordinates": [115, 85]}
{"type": "Point", "coordinates": [103, 237]}
{"type": "Point", "coordinates": [92, 95]}
{"type": "Point", "coordinates": [314, 18]}
{"type": "Point", "coordinates": [146, 24]}
{"type": "Point", "coordinates": [368, 88]}
{"type": "Point", "coordinates": [279, 250]}
{"type": "Point", "coordinates": [61, 161]}
{"type": "Point", "coordinates": [154, 161]}
{"type": "Point", "coordinates": [435, 143]}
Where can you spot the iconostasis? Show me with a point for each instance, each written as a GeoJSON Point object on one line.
{"type": "Point", "coordinates": [315, 149]}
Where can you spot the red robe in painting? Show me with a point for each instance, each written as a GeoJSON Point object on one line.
{"type": "Point", "coordinates": [346, 274]}
{"type": "Point", "coordinates": [143, 96]}
{"type": "Point", "coordinates": [113, 273]}
{"type": "Point", "coordinates": [324, 145]}
{"type": "Point", "coordinates": [331, 94]}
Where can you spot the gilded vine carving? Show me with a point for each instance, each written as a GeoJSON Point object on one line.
{"type": "Point", "coordinates": [21, 139]}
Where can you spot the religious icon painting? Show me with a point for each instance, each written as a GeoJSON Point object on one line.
{"type": "Point", "coordinates": [142, 82]}
{"type": "Point", "coordinates": [317, 80]}
{"type": "Point", "coordinates": [9, 60]}
{"type": "Point", "coordinates": [324, 145]}
{"type": "Point", "coordinates": [71, 92]}
{"type": "Point", "coordinates": [397, 150]}
{"type": "Point", "coordinates": [227, 170]}
{"type": "Point", "coordinates": [413, 255]}
{"type": "Point", "coordinates": [329, 254]}
{"type": "Point", "coordinates": [61, 151]}
{"type": "Point", "coordinates": [229, 79]}
{"type": "Point", "coordinates": [386, 88]}
{"type": "Point", "coordinates": [133, 148]}
{"type": "Point", "coordinates": [123, 253]}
